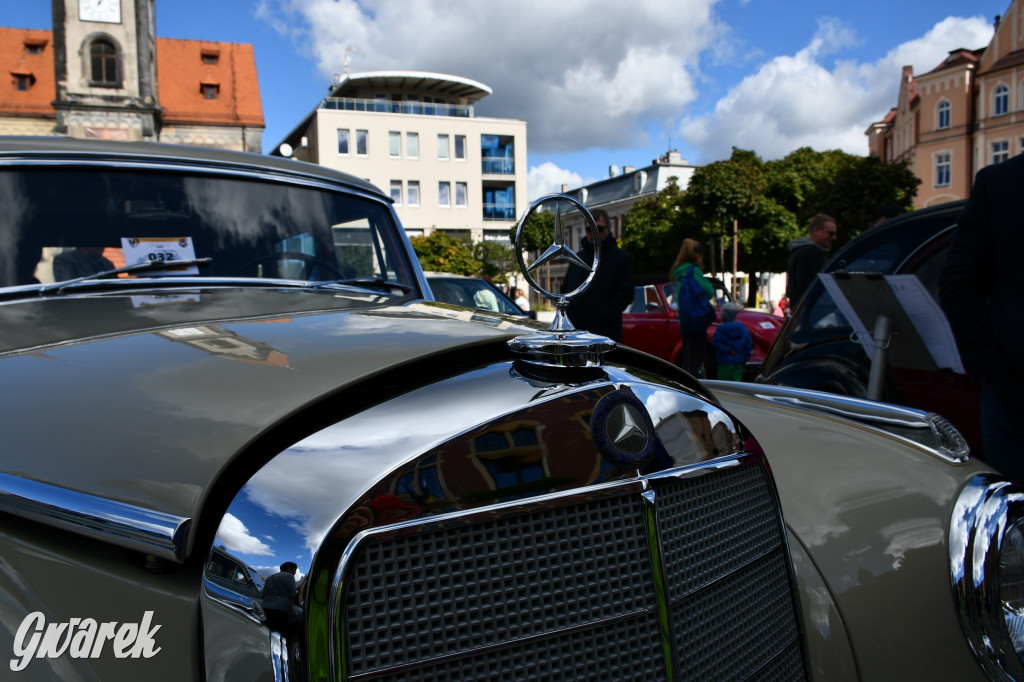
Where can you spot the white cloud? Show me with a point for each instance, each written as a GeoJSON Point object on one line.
{"type": "Point", "coordinates": [236, 538]}
{"type": "Point", "coordinates": [799, 100]}
{"type": "Point", "coordinates": [582, 73]}
{"type": "Point", "coordinates": [547, 178]}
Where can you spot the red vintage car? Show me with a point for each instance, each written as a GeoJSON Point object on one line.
{"type": "Point", "coordinates": [651, 324]}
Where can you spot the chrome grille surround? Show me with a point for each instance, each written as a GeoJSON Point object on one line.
{"type": "Point", "coordinates": [680, 575]}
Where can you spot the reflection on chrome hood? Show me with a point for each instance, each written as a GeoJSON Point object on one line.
{"type": "Point", "coordinates": [188, 387]}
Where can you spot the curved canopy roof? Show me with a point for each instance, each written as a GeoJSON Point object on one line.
{"type": "Point", "coordinates": [359, 84]}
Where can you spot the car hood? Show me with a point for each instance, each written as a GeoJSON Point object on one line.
{"type": "Point", "coordinates": [187, 384]}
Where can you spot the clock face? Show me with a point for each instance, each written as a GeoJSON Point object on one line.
{"type": "Point", "coordinates": [108, 11]}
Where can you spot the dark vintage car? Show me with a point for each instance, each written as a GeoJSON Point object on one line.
{"type": "Point", "coordinates": [651, 324]}
{"type": "Point", "coordinates": [472, 292]}
{"type": "Point", "coordinates": [253, 374]}
{"type": "Point", "coordinates": [817, 348]}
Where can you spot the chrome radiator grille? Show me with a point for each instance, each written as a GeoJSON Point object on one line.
{"type": "Point", "coordinates": [602, 587]}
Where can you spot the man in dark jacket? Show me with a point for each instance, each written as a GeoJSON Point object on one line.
{"type": "Point", "coordinates": [978, 292]}
{"type": "Point", "coordinates": [807, 256]}
{"type": "Point", "coordinates": [599, 308]}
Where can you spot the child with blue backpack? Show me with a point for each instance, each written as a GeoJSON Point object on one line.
{"type": "Point", "coordinates": [732, 343]}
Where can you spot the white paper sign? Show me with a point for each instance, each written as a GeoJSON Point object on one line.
{"type": "Point", "coordinates": [148, 249]}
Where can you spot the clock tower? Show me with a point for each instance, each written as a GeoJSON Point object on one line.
{"type": "Point", "coordinates": [105, 69]}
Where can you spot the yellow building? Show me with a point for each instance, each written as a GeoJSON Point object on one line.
{"type": "Point", "coordinates": [963, 115]}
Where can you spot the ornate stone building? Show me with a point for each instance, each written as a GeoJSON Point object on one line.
{"type": "Point", "coordinates": [963, 115]}
{"type": "Point", "coordinates": [102, 73]}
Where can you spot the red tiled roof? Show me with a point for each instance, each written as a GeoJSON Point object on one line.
{"type": "Point", "coordinates": [180, 73]}
{"type": "Point", "coordinates": [36, 100]}
{"type": "Point", "coordinates": [1012, 59]}
{"type": "Point", "coordinates": [180, 70]}
{"type": "Point", "coordinates": [959, 57]}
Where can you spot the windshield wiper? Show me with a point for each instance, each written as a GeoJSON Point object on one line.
{"type": "Point", "coordinates": [136, 267]}
{"type": "Point", "coordinates": [368, 282]}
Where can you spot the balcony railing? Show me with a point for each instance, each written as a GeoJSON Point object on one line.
{"type": "Point", "coordinates": [498, 165]}
{"type": "Point", "coordinates": [389, 107]}
{"type": "Point", "coordinates": [499, 211]}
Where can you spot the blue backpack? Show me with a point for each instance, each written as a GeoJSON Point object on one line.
{"type": "Point", "coordinates": [695, 310]}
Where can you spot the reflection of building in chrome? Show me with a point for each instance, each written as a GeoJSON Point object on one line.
{"type": "Point", "coordinates": [507, 459]}
{"type": "Point", "coordinates": [217, 340]}
{"type": "Point", "coordinates": [690, 436]}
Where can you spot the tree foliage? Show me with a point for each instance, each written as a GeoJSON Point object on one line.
{"type": "Point", "coordinates": [769, 202]}
{"type": "Point", "coordinates": [655, 228]}
{"type": "Point", "coordinates": [496, 257]}
{"type": "Point", "coordinates": [440, 252]}
{"type": "Point", "coordinates": [537, 231]}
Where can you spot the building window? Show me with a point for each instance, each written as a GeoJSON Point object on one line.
{"type": "Point", "coordinates": [210, 90]}
{"type": "Point", "coordinates": [396, 192]}
{"type": "Point", "coordinates": [460, 147]}
{"type": "Point", "coordinates": [943, 115]}
{"type": "Point", "coordinates": [444, 194]}
{"type": "Point", "coordinates": [943, 169]}
{"type": "Point", "coordinates": [1001, 104]}
{"type": "Point", "coordinates": [412, 193]}
{"type": "Point", "coordinates": [442, 147]}
{"type": "Point", "coordinates": [210, 57]}
{"type": "Point", "coordinates": [362, 142]}
{"type": "Point", "coordinates": [343, 135]}
{"type": "Point", "coordinates": [1000, 151]}
{"type": "Point", "coordinates": [103, 60]}
{"type": "Point", "coordinates": [461, 190]}
{"type": "Point", "coordinates": [34, 48]}
{"type": "Point", "coordinates": [23, 81]}
{"type": "Point", "coordinates": [394, 144]}
{"type": "Point", "coordinates": [412, 145]}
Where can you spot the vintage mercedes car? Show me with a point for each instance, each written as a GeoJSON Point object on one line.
{"type": "Point", "coordinates": [220, 365]}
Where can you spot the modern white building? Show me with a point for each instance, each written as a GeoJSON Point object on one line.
{"type": "Point", "coordinates": [416, 136]}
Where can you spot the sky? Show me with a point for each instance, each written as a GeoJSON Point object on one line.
{"type": "Point", "coordinates": [601, 82]}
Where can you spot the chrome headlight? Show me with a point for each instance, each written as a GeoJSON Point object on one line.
{"type": "Point", "coordinates": [986, 553]}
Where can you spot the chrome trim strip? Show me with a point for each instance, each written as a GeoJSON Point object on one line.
{"type": "Point", "coordinates": [125, 525]}
{"type": "Point", "coordinates": [985, 508]}
{"type": "Point", "coordinates": [870, 413]}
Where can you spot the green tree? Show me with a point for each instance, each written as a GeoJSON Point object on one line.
{"type": "Point", "coordinates": [537, 231]}
{"type": "Point", "coordinates": [440, 252]}
{"type": "Point", "coordinates": [740, 200]}
{"type": "Point", "coordinates": [496, 257]}
{"type": "Point", "coordinates": [847, 187]}
{"type": "Point", "coordinates": [654, 229]}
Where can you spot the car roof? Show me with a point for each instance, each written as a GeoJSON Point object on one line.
{"type": "Point", "coordinates": [909, 231]}
{"type": "Point", "coordinates": [16, 148]}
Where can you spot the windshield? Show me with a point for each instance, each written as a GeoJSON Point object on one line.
{"type": "Point", "coordinates": [63, 224]}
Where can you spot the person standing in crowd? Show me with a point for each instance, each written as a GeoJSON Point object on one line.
{"type": "Point", "coordinates": [688, 264]}
{"type": "Point", "coordinates": [977, 294]}
{"type": "Point", "coordinates": [807, 256]}
{"type": "Point", "coordinates": [522, 301]}
{"type": "Point", "coordinates": [732, 343]}
{"type": "Point", "coordinates": [599, 308]}
{"type": "Point", "coordinates": [278, 597]}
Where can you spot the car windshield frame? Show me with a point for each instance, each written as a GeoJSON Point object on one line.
{"type": "Point", "coordinates": [74, 222]}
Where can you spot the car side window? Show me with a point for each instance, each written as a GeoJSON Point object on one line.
{"type": "Point", "coordinates": [645, 300]}
{"type": "Point", "coordinates": [670, 296]}
{"type": "Point", "coordinates": [930, 269]}
{"type": "Point", "coordinates": [881, 258]}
